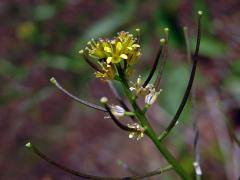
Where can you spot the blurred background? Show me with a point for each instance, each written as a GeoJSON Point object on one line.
{"type": "Point", "coordinates": [41, 38]}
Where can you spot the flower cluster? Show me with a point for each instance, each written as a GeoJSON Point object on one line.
{"type": "Point", "coordinates": [122, 49]}
{"type": "Point", "coordinates": [110, 57]}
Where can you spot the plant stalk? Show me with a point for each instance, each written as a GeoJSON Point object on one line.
{"type": "Point", "coordinates": [149, 130]}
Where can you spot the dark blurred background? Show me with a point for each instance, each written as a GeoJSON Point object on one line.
{"type": "Point", "coordinates": [41, 38]}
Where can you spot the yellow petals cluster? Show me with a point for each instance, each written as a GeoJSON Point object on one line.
{"type": "Point", "coordinates": [123, 47]}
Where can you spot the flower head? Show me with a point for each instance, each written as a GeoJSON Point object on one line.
{"type": "Point", "coordinates": [108, 52]}
{"type": "Point", "coordinates": [128, 46]}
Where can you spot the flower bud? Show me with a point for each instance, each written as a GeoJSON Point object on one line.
{"type": "Point", "coordinates": [103, 100]}
{"type": "Point", "coordinates": [117, 111]}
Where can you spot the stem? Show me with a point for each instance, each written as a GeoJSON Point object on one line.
{"type": "Point", "coordinates": [128, 113]}
{"type": "Point", "coordinates": [156, 61]}
{"type": "Point", "coordinates": [183, 103]}
{"type": "Point", "coordinates": [40, 154]}
{"type": "Point", "coordinates": [189, 86]}
{"type": "Point", "coordinates": [163, 62]}
{"type": "Point", "coordinates": [196, 163]}
{"type": "Point", "coordinates": [149, 130]}
{"type": "Point", "coordinates": [145, 108]}
{"type": "Point", "coordinates": [153, 136]}
{"type": "Point", "coordinates": [86, 103]}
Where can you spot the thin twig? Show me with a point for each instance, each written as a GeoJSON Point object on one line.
{"type": "Point", "coordinates": [35, 150]}
{"type": "Point", "coordinates": [138, 36]}
{"type": "Point", "coordinates": [189, 86]}
{"type": "Point", "coordinates": [162, 62]}
{"type": "Point", "coordinates": [196, 164]}
{"type": "Point", "coordinates": [86, 103]}
{"type": "Point", "coordinates": [156, 172]}
{"type": "Point", "coordinates": [154, 67]}
{"type": "Point", "coordinates": [221, 131]}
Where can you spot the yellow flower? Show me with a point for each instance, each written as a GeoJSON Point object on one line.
{"type": "Point", "coordinates": [123, 47]}
{"type": "Point", "coordinates": [96, 49]}
{"type": "Point", "coordinates": [129, 47]}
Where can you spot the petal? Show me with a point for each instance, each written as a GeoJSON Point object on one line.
{"type": "Point", "coordinates": [130, 48]}
{"type": "Point", "coordinates": [107, 49]}
{"type": "Point", "coordinates": [124, 56]}
{"type": "Point", "coordinates": [109, 59]}
{"type": "Point", "coordinates": [119, 46]}
{"type": "Point", "coordinates": [131, 135]}
{"type": "Point", "coordinates": [136, 45]}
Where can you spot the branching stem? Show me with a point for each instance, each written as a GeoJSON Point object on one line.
{"type": "Point", "coordinates": [149, 130]}
{"type": "Point", "coordinates": [156, 61]}
{"type": "Point", "coordinates": [189, 86]}
{"type": "Point", "coordinates": [86, 103]}
{"type": "Point", "coordinates": [40, 154]}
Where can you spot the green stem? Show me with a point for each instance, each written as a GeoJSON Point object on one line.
{"type": "Point", "coordinates": [89, 176]}
{"type": "Point", "coordinates": [145, 108]}
{"type": "Point", "coordinates": [128, 113]}
{"type": "Point", "coordinates": [149, 130]}
{"type": "Point", "coordinates": [189, 85]}
{"type": "Point", "coordinates": [153, 136]}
